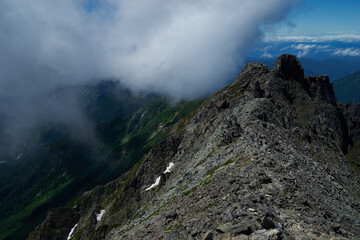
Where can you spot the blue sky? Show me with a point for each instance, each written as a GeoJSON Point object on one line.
{"type": "Point", "coordinates": [312, 17]}
{"type": "Point", "coordinates": [316, 28]}
{"type": "Point", "coordinates": [317, 17]}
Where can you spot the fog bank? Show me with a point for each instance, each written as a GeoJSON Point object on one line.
{"type": "Point", "coordinates": [182, 48]}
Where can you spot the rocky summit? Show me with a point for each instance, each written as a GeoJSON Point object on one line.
{"type": "Point", "coordinates": [271, 156]}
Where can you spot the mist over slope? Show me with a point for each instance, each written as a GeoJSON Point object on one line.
{"type": "Point", "coordinates": [181, 49]}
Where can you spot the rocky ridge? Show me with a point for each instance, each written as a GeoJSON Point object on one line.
{"type": "Point", "coordinates": [272, 156]}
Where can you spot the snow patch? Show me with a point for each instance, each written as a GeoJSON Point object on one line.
{"type": "Point", "coordinates": [99, 216]}
{"type": "Point", "coordinates": [154, 184]}
{"type": "Point", "coordinates": [71, 233]}
{"type": "Point", "coordinates": [168, 169]}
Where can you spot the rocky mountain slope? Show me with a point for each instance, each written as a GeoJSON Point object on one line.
{"type": "Point", "coordinates": [272, 156]}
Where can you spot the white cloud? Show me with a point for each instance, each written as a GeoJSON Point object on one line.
{"type": "Point", "coordinates": [306, 48]}
{"type": "Point", "coordinates": [352, 52]}
{"type": "Point", "coordinates": [348, 37]}
{"type": "Point", "coordinates": [303, 46]}
{"type": "Point", "coordinates": [323, 47]}
{"type": "Point", "coordinates": [266, 54]}
{"type": "Point", "coordinates": [182, 48]}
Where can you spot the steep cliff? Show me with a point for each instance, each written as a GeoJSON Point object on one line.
{"type": "Point", "coordinates": [272, 156]}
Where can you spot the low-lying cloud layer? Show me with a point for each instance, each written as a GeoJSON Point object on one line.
{"type": "Point", "coordinates": [181, 48]}
{"type": "Point", "coordinates": [353, 52]}
{"type": "Point", "coordinates": [304, 49]}
{"type": "Point", "coordinates": [342, 37]}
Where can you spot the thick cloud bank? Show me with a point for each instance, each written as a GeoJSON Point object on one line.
{"type": "Point", "coordinates": [179, 47]}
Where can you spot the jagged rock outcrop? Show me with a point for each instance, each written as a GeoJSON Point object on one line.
{"type": "Point", "coordinates": [272, 156]}
{"type": "Point", "coordinates": [57, 224]}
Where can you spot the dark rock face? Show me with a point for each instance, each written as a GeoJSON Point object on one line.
{"type": "Point", "coordinates": [352, 116]}
{"type": "Point", "coordinates": [56, 225]}
{"type": "Point", "coordinates": [272, 156]}
{"type": "Point", "coordinates": [352, 120]}
{"type": "Point", "coordinates": [321, 88]}
{"type": "Point", "coordinates": [289, 67]}
{"type": "Point", "coordinates": [268, 221]}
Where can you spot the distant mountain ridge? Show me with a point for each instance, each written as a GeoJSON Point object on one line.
{"type": "Point", "coordinates": [347, 89]}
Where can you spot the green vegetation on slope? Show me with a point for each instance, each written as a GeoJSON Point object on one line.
{"type": "Point", "coordinates": [38, 179]}
{"type": "Point", "coordinates": [347, 89]}
{"type": "Point", "coordinates": [127, 140]}
{"type": "Point", "coordinates": [59, 166]}
{"type": "Point", "coordinates": [16, 226]}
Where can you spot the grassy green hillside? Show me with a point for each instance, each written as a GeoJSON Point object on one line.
{"type": "Point", "coordinates": [347, 89]}
{"type": "Point", "coordinates": [58, 165]}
